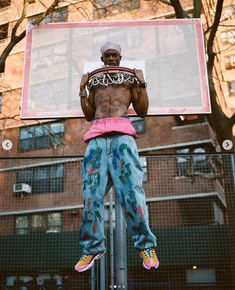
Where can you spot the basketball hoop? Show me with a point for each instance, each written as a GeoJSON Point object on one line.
{"type": "Point", "coordinates": [108, 76]}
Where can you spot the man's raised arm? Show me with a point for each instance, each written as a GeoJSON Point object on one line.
{"type": "Point", "coordinates": [139, 93]}
{"type": "Point", "coordinates": [87, 102]}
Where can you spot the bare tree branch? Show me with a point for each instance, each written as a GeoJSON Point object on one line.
{"type": "Point", "coordinates": [226, 49]}
{"type": "Point", "coordinates": [222, 25]}
{"type": "Point", "coordinates": [220, 122]}
{"type": "Point", "coordinates": [179, 11]}
{"type": "Point", "coordinates": [46, 12]}
{"type": "Point", "coordinates": [214, 28]}
{"type": "Point", "coordinates": [226, 25]}
{"type": "Point", "coordinates": [20, 20]}
{"type": "Point", "coordinates": [17, 38]}
{"type": "Point", "coordinates": [8, 49]}
{"type": "Point", "coordinates": [197, 7]}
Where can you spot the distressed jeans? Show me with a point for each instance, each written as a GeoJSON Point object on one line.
{"type": "Point", "coordinates": [113, 160]}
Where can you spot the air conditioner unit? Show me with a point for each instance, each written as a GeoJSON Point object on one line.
{"type": "Point", "coordinates": [22, 188]}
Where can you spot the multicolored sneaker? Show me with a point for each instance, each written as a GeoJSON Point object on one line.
{"type": "Point", "coordinates": [150, 259]}
{"type": "Point", "coordinates": [87, 261]}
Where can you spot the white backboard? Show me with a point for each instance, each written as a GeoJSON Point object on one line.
{"type": "Point", "coordinates": [170, 52]}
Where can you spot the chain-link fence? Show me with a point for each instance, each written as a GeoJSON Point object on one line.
{"type": "Point", "coordinates": [190, 200]}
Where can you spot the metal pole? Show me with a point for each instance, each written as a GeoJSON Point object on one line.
{"type": "Point", "coordinates": [233, 166]}
{"type": "Point", "coordinates": [111, 239]}
{"type": "Point", "coordinates": [102, 273]}
{"type": "Point", "coordinates": [120, 247]}
{"type": "Point", "coordinates": [230, 199]}
{"type": "Point", "coordinates": [93, 278]}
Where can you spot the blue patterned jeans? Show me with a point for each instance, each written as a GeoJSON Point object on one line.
{"type": "Point", "coordinates": [108, 161]}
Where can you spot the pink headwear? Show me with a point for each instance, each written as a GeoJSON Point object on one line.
{"type": "Point", "coordinates": [109, 45]}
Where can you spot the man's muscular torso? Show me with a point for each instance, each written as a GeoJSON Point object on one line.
{"type": "Point", "coordinates": [112, 101]}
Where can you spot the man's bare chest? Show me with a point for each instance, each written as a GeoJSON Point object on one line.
{"type": "Point", "coordinates": [113, 92]}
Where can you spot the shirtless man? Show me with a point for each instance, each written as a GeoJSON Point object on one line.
{"type": "Point", "coordinates": [112, 158]}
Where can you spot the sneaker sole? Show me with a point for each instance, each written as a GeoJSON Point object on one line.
{"type": "Point", "coordinates": [98, 256]}
{"type": "Point", "coordinates": [148, 268]}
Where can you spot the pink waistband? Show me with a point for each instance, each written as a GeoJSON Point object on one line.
{"type": "Point", "coordinates": [110, 125]}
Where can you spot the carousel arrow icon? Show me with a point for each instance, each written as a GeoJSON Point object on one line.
{"type": "Point", "coordinates": [227, 144]}
{"type": "Point", "coordinates": [6, 144]}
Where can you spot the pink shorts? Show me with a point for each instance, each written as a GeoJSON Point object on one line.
{"type": "Point", "coordinates": [109, 125]}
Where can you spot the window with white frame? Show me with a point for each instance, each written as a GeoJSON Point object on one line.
{"type": "Point", "coordinates": [105, 8]}
{"type": "Point", "coordinates": [41, 136]}
{"type": "Point", "coordinates": [218, 214]}
{"type": "Point", "coordinates": [230, 61]}
{"type": "Point", "coordinates": [60, 15]}
{"type": "Point", "coordinates": [143, 162]}
{"type": "Point", "coordinates": [138, 123]}
{"type": "Point", "coordinates": [4, 4]}
{"type": "Point", "coordinates": [182, 162]}
{"type": "Point", "coordinates": [3, 32]}
{"type": "Point", "coordinates": [39, 222]}
{"type": "Point", "coordinates": [22, 225]}
{"type": "Point", "coordinates": [227, 12]}
{"type": "Point", "coordinates": [228, 37]}
{"type": "Point", "coordinates": [195, 161]}
{"type": "Point", "coordinates": [231, 87]}
{"type": "Point", "coordinates": [109, 214]}
{"type": "Point", "coordinates": [43, 179]}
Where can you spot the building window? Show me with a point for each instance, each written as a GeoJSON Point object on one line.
{"type": "Point", "coordinates": [56, 16]}
{"type": "Point", "coordinates": [22, 225]}
{"type": "Point", "coordinates": [43, 179]}
{"type": "Point", "coordinates": [201, 277]}
{"type": "Point", "coordinates": [230, 61]}
{"type": "Point", "coordinates": [60, 15]}
{"type": "Point", "coordinates": [3, 32]}
{"type": "Point", "coordinates": [4, 4]}
{"type": "Point", "coordinates": [218, 214]}
{"type": "Point", "coordinates": [231, 87]}
{"type": "Point", "coordinates": [108, 218]}
{"type": "Point", "coordinates": [143, 162]}
{"type": "Point", "coordinates": [40, 222]}
{"type": "Point", "coordinates": [138, 123]}
{"type": "Point", "coordinates": [183, 120]}
{"type": "Point", "coordinates": [228, 12]}
{"type": "Point", "coordinates": [104, 8]}
{"type": "Point", "coordinates": [196, 211]}
{"type": "Point", "coordinates": [228, 37]}
{"type": "Point", "coordinates": [54, 222]}
{"type": "Point", "coordinates": [192, 162]}
{"type": "Point", "coordinates": [41, 137]}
